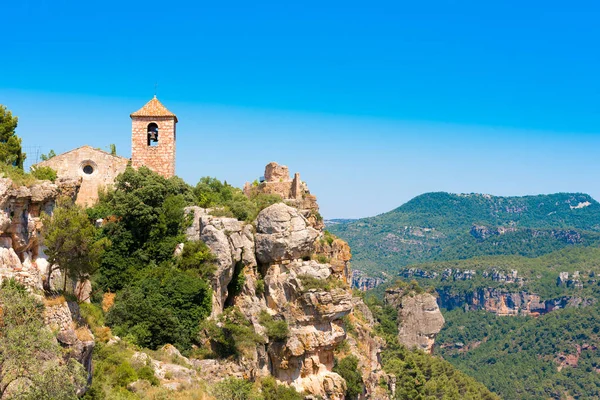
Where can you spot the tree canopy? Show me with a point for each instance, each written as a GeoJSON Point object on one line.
{"type": "Point", "coordinates": [10, 144]}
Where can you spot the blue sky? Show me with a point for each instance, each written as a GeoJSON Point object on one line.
{"type": "Point", "coordinates": [372, 102]}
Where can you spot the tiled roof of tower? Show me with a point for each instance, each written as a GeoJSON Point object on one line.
{"type": "Point", "coordinates": [153, 108]}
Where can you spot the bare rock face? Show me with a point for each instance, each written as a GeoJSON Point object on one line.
{"type": "Point", "coordinates": [419, 318]}
{"type": "Point", "coordinates": [61, 317]}
{"type": "Point", "coordinates": [21, 254]}
{"type": "Point", "coordinates": [294, 274]}
{"type": "Point", "coordinates": [367, 347]}
{"type": "Point", "coordinates": [283, 234]}
{"type": "Point", "coordinates": [231, 241]}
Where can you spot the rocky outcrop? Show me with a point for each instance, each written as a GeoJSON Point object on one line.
{"type": "Point", "coordinates": [503, 302]}
{"type": "Point", "coordinates": [283, 234]}
{"type": "Point", "coordinates": [419, 318]}
{"type": "Point", "coordinates": [367, 347]}
{"type": "Point", "coordinates": [231, 241]}
{"type": "Point", "coordinates": [21, 252]}
{"type": "Point", "coordinates": [363, 282]}
{"type": "Point", "coordinates": [294, 275]}
{"type": "Point", "coordinates": [22, 258]}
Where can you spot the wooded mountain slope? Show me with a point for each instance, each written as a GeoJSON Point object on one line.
{"type": "Point", "coordinates": [444, 226]}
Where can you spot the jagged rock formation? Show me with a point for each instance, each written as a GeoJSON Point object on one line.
{"type": "Point", "coordinates": [21, 253]}
{"type": "Point", "coordinates": [363, 282]}
{"type": "Point", "coordinates": [303, 281]}
{"type": "Point", "coordinates": [22, 257]}
{"type": "Point", "coordinates": [367, 347]}
{"type": "Point", "coordinates": [419, 318]}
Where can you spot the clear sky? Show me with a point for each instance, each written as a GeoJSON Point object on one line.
{"type": "Point", "coordinates": [372, 102]}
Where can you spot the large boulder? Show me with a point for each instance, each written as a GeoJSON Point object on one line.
{"type": "Point", "coordinates": [283, 234]}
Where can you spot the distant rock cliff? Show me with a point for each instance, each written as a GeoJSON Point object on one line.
{"type": "Point", "coordinates": [419, 318]}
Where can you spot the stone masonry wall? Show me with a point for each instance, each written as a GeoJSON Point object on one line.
{"type": "Point", "coordinates": [159, 158]}
{"type": "Point", "coordinates": [105, 168]}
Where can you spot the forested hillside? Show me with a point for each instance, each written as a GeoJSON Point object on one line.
{"type": "Point", "coordinates": [523, 358]}
{"type": "Point", "coordinates": [444, 226]}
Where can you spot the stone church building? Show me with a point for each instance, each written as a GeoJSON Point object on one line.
{"type": "Point", "coordinates": [152, 145]}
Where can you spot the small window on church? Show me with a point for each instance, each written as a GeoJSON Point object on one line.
{"type": "Point", "coordinates": [152, 134]}
{"type": "Point", "coordinates": [88, 169]}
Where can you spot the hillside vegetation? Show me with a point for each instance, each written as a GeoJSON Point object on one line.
{"type": "Point", "coordinates": [444, 226]}
{"type": "Point", "coordinates": [524, 358]}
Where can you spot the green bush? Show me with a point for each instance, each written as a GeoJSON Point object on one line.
{"type": "Point", "coordinates": [276, 330]}
{"type": "Point", "coordinates": [271, 390]}
{"type": "Point", "coordinates": [347, 368]}
{"type": "Point", "coordinates": [164, 305]}
{"type": "Point", "coordinates": [44, 173]}
{"type": "Point", "coordinates": [146, 372]}
{"type": "Point", "coordinates": [92, 314]}
{"type": "Point", "coordinates": [234, 389]}
{"type": "Point", "coordinates": [260, 287]}
{"type": "Point", "coordinates": [234, 336]}
{"type": "Point", "coordinates": [196, 256]}
{"type": "Point", "coordinates": [125, 374]}
{"type": "Point", "coordinates": [309, 282]}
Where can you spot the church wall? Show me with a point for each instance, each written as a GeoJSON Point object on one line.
{"type": "Point", "coordinates": [105, 168]}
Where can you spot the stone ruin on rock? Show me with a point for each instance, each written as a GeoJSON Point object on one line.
{"type": "Point", "coordinates": [279, 252]}
{"type": "Point", "coordinates": [294, 192]}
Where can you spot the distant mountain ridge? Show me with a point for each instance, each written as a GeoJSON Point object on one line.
{"type": "Point", "coordinates": [445, 226]}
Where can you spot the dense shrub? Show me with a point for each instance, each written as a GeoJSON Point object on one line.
{"type": "Point", "coordinates": [233, 335]}
{"type": "Point", "coordinates": [276, 330]}
{"type": "Point", "coordinates": [347, 368]}
{"type": "Point", "coordinates": [271, 390]}
{"type": "Point", "coordinates": [44, 173]}
{"type": "Point", "coordinates": [163, 305]}
{"type": "Point", "coordinates": [234, 389]}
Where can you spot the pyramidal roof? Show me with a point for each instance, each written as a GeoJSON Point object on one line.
{"type": "Point", "coordinates": [153, 108]}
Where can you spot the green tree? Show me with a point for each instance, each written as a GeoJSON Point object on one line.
{"type": "Point", "coordinates": [10, 143]}
{"type": "Point", "coordinates": [31, 365]}
{"type": "Point", "coordinates": [113, 149]}
{"type": "Point", "coordinates": [71, 243]}
{"type": "Point", "coordinates": [347, 367]}
{"type": "Point", "coordinates": [48, 156]}
{"type": "Point", "coordinates": [162, 305]}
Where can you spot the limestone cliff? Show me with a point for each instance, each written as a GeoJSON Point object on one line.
{"type": "Point", "coordinates": [503, 302]}
{"type": "Point", "coordinates": [419, 317]}
{"type": "Point", "coordinates": [297, 274]}
{"type": "Point", "coordinates": [22, 257]}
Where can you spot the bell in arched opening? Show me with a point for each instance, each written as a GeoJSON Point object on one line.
{"type": "Point", "coordinates": [152, 134]}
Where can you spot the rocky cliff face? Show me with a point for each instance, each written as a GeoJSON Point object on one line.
{"type": "Point", "coordinates": [292, 273]}
{"type": "Point", "coordinates": [419, 318]}
{"type": "Point", "coordinates": [22, 257]}
{"type": "Point", "coordinates": [21, 252]}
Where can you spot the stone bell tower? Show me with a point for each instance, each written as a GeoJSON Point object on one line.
{"type": "Point", "coordinates": [153, 138]}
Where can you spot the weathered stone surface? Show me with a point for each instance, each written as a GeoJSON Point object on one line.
{"type": "Point", "coordinates": [74, 165]}
{"type": "Point", "coordinates": [231, 241]}
{"type": "Point", "coordinates": [283, 234]}
{"type": "Point", "coordinates": [419, 318]}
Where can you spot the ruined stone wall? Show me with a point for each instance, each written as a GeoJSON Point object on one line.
{"type": "Point", "coordinates": [103, 168]}
{"type": "Point", "coordinates": [159, 158]}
